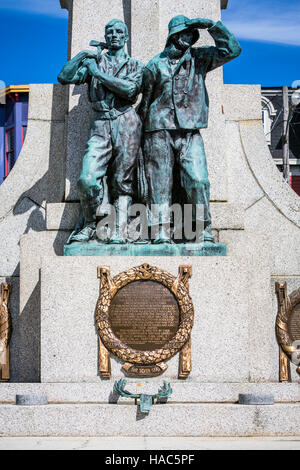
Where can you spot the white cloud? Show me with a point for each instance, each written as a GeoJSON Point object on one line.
{"type": "Point", "coordinates": [265, 20]}
{"type": "Point", "coordinates": [41, 7]}
{"type": "Point", "coordinates": [260, 20]}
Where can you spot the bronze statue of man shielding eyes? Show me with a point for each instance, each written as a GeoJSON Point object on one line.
{"type": "Point", "coordinates": [174, 108]}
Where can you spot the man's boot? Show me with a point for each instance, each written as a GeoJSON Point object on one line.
{"type": "Point", "coordinates": [85, 234]}
{"type": "Point", "coordinates": [85, 230]}
{"type": "Point", "coordinates": [207, 235]}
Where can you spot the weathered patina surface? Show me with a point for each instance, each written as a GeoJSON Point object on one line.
{"type": "Point", "coordinates": [146, 401]}
{"type": "Point", "coordinates": [165, 165]}
{"type": "Point", "coordinates": [174, 108]}
{"type": "Point", "coordinates": [114, 80]}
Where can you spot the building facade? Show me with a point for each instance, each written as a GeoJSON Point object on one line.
{"type": "Point", "coordinates": [275, 127]}
{"type": "Point", "coordinates": [13, 125]}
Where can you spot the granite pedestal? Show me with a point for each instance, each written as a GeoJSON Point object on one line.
{"type": "Point", "coordinates": [94, 248]}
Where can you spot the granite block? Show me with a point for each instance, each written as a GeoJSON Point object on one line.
{"type": "Point", "coordinates": [265, 218]}
{"type": "Point", "coordinates": [150, 443]}
{"type": "Point", "coordinates": [266, 173]}
{"type": "Point", "coordinates": [26, 216]}
{"type": "Point", "coordinates": [242, 102]}
{"type": "Point", "coordinates": [145, 24]}
{"type": "Point", "coordinates": [242, 187]}
{"type": "Point", "coordinates": [21, 180]}
{"type": "Point", "coordinates": [77, 134]}
{"type": "Point", "coordinates": [53, 99]}
{"type": "Point", "coordinates": [191, 391]}
{"type": "Point", "coordinates": [62, 216]}
{"type": "Point", "coordinates": [255, 249]}
{"type": "Point", "coordinates": [32, 247]}
{"type": "Point", "coordinates": [227, 216]}
{"type": "Point", "coordinates": [222, 290]}
{"type": "Point", "coordinates": [178, 420]}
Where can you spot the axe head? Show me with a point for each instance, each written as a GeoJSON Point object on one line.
{"type": "Point", "coordinates": [102, 45]}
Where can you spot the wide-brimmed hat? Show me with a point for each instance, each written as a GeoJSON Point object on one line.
{"type": "Point", "coordinates": [178, 24]}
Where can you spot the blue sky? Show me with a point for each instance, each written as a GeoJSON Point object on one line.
{"type": "Point", "coordinates": [34, 41]}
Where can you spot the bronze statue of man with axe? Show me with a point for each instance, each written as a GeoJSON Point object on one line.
{"type": "Point", "coordinates": [114, 80]}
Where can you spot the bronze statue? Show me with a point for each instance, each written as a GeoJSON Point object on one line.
{"type": "Point", "coordinates": [114, 80]}
{"type": "Point", "coordinates": [174, 108]}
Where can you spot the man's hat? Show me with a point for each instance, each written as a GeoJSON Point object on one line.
{"type": "Point", "coordinates": [178, 24]}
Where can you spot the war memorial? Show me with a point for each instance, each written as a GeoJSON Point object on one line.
{"type": "Point", "coordinates": [150, 264]}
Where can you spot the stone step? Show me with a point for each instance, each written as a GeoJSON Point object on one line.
{"type": "Point", "coordinates": [163, 420]}
{"type": "Point", "coordinates": [183, 392]}
{"type": "Point", "coordinates": [225, 216]}
{"type": "Point", "coordinates": [149, 443]}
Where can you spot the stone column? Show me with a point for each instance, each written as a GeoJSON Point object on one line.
{"type": "Point", "coordinates": [147, 21]}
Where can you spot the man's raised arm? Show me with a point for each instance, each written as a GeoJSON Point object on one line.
{"type": "Point", "coordinates": [74, 71]}
{"type": "Point", "coordinates": [227, 46]}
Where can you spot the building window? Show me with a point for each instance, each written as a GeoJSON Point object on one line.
{"type": "Point", "coordinates": [267, 123]}
{"type": "Point", "coordinates": [268, 115]}
{"type": "Point", "coordinates": [10, 151]}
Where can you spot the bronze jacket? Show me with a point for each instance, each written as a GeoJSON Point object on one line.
{"type": "Point", "coordinates": [107, 104]}
{"type": "Point", "coordinates": [176, 98]}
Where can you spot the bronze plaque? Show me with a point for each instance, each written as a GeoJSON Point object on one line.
{"type": "Point", "coordinates": [294, 323]}
{"type": "Point", "coordinates": [144, 315]}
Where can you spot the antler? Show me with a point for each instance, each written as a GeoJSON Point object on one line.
{"type": "Point", "coordinates": [165, 391]}
{"type": "Point", "coordinates": [119, 388]}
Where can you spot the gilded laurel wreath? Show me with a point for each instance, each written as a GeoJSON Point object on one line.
{"type": "Point", "coordinates": [5, 317]}
{"type": "Point", "coordinates": [287, 303]}
{"type": "Point", "coordinates": [109, 288]}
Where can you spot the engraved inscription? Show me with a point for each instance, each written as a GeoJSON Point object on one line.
{"type": "Point", "coordinates": [144, 315]}
{"type": "Point", "coordinates": [294, 323]}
